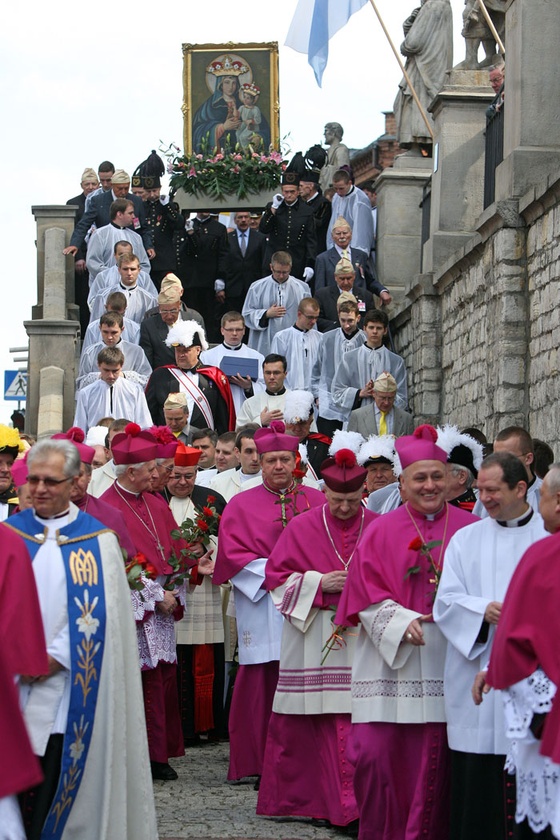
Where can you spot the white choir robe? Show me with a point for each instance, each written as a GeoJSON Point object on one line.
{"type": "Point", "coordinates": [131, 333]}
{"type": "Point", "coordinates": [230, 482]}
{"type": "Point", "coordinates": [134, 360]}
{"type": "Point", "coordinates": [101, 248]}
{"type": "Point", "coordinates": [332, 350]}
{"type": "Point", "coordinates": [202, 623]}
{"type": "Point", "coordinates": [265, 293]}
{"type": "Point", "coordinates": [479, 563]}
{"type": "Point", "coordinates": [259, 624]}
{"type": "Point", "coordinates": [128, 401]}
{"type": "Point", "coordinates": [250, 411]}
{"type": "Point", "coordinates": [300, 348]}
{"type": "Point", "coordinates": [358, 367]}
{"type": "Point", "coordinates": [214, 357]}
{"type": "Point", "coordinates": [111, 277]}
{"type": "Point", "coordinates": [356, 209]}
{"type": "Point", "coordinates": [138, 301]}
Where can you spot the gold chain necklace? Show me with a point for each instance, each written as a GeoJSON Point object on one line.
{"type": "Point", "coordinates": [345, 563]}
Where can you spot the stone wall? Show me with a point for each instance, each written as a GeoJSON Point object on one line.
{"type": "Point", "coordinates": [480, 336]}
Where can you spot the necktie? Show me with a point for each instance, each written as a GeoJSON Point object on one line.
{"type": "Point", "coordinates": [382, 423]}
{"type": "Point", "coordinates": [345, 255]}
{"type": "Point", "coordinates": [243, 243]}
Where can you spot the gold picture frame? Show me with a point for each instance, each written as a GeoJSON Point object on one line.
{"type": "Point", "coordinates": [245, 112]}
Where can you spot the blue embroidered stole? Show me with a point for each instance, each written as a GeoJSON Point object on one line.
{"type": "Point", "coordinates": [87, 622]}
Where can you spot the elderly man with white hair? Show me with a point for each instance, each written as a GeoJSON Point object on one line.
{"type": "Point", "coordinates": [207, 388]}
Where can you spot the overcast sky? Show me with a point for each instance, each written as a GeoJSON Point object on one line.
{"type": "Point", "coordinates": [82, 83]}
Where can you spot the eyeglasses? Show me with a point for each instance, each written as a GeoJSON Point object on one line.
{"type": "Point", "coordinates": [34, 480]}
{"type": "Point", "coordinates": [168, 311]}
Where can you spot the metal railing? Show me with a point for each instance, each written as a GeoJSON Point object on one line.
{"type": "Point", "coordinates": [494, 154]}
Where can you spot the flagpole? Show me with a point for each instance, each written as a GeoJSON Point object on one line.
{"type": "Point", "coordinates": [405, 74]}
{"type": "Point", "coordinates": [493, 29]}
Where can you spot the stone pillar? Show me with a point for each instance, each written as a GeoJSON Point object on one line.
{"type": "Point", "coordinates": [458, 178]}
{"type": "Point", "coordinates": [54, 331]}
{"type": "Point", "coordinates": [62, 217]}
{"type": "Point", "coordinates": [51, 401]}
{"type": "Point", "coordinates": [531, 113]}
{"type": "Point", "coordinates": [425, 375]}
{"type": "Point", "coordinates": [399, 221]}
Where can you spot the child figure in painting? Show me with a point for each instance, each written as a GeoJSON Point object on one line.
{"type": "Point", "coordinates": [250, 116]}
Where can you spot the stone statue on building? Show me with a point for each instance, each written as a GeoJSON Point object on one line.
{"type": "Point", "coordinates": [428, 47]}
{"type": "Point", "coordinates": [476, 32]}
{"type": "Point", "coordinates": [338, 154]}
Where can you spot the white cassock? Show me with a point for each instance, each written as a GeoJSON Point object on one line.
{"type": "Point", "coordinates": [333, 348]}
{"type": "Point", "coordinates": [479, 563]}
{"type": "Point", "coordinates": [258, 621]}
{"type": "Point", "coordinates": [265, 293]}
{"type": "Point", "coordinates": [356, 209]}
{"type": "Point", "coordinates": [230, 482]}
{"type": "Point", "coordinates": [533, 499]}
{"type": "Point", "coordinates": [138, 301]}
{"type": "Point", "coordinates": [358, 367]}
{"type": "Point", "coordinates": [131, 333]}
{"type": "Point", "coordinates": [111, 277]}
{"type": "Point", "coordinates": [124, 399]}
{"type": "Point", "coordinates": [250, 411]}
{"type": "Point", "coordinates": [214, 357]}
{"type": "Point", "coordinates": [301, 348]}
{"type": "Point", "coordinates": [134, 360]}
{"type": "Point", "coordinates": [101, 248]}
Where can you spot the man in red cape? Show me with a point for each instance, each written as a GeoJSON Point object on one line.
{"type": "Point", "coordinates": [207, 388]}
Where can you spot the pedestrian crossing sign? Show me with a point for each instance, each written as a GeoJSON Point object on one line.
{"type": "Point", "coordinates": [15, 385]}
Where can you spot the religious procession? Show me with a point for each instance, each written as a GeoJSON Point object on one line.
{"type": "Point", "coordinates": [283, 482]}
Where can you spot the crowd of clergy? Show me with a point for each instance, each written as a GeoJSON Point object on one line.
{"type": "Point", "coordinates": [366, 608]}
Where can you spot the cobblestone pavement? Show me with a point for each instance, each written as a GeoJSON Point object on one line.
{"type": "Point", "coordinates": [202, 804]}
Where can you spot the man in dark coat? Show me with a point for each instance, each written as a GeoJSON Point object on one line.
{"type": "Point", "coordinates": [155, 327]}
{"type": "Point", "coordinates": [289, 225]}
{"type": "Point", "coordinates": [327, 298]}
{"type": "Point", "coordinates": [203, 261]}
{"type": "Point", "coordinates": [311, 193]}
{"type": "Point", "coordinates": [89, 183]}
{"type": "Point", "coordinates": [244, 261]}
{"type": "Point", "coordinates": [99, 214]}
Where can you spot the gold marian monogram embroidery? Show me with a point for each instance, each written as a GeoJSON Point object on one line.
{"type": "Point", "coordinates": [83, 567]}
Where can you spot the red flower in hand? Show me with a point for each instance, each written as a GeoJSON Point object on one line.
{"type": "Point", "coordinates": [202, 524]}
{"type": "Point", "coordinates": [210, 499]}
{"type": "Point", "coordinates": [415, 544]}
{"type": "Point", "coordinates": [207, 511]}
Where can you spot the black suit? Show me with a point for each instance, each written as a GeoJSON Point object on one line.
{"type": "Point", "coordinates": [326, 263]}
{"type": "Point", "coordinates": [153, 332]}
{"type": "Point", "coordinates": [327, 299]}
{"type": "Point", "coordinates": [99, 214]}
{"type": "Point", "coordinates": [81, 279]}
{"type": "Point", "coordinates": [242, 270]}
{"type": "Point", "coordinates": [202, 260]}
{"type": "Point", "coordinates": [290, 229]}
{"type": "Point", "coordinates": [164, 220]}
{"type": "Point", "coordinates": [322, 210]}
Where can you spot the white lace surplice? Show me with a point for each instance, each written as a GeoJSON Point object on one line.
{"type": "Point", "coordinates": [538, 777]}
